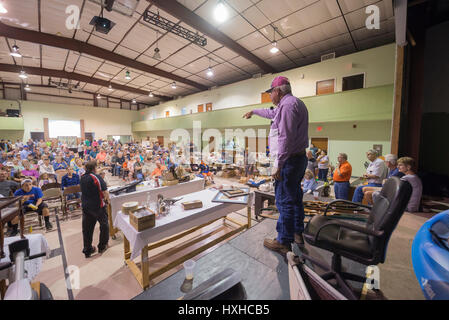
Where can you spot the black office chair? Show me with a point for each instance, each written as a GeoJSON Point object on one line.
{"type": "Point", "coordinates": [364, 244]}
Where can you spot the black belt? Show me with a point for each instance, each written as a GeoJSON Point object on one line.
{"type": "Point", "coordinates": [298, 154]}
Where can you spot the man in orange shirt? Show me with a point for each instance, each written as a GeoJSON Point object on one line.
{"type": "Point", "coordinates": [342, 174]}
{"type": "Point", "coordinates": [158, 171]}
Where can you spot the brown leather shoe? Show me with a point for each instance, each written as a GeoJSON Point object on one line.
{"type": "Point", "coordinates": [299, 239]}
{"type": "Point", "coordinates": [274, 245]}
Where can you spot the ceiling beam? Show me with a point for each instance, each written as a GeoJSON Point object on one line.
{"type": "Point", "coordinates": [82, 47]}
{"type": "Point", "coordinates": [177, 10]}
{"type": "Point", "coordinates": [75, 76]}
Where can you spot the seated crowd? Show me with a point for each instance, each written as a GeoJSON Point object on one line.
{"type": "Point", "coordinates": [378, 171]}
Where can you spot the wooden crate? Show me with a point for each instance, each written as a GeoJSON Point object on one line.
{"type": "Point", "coordinates": [141, 223]}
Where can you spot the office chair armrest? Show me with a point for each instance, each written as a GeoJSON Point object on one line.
{"type": "Point", "coordinates": [350, 226]}
{"type": "Point", "coordinates": [356, 205]}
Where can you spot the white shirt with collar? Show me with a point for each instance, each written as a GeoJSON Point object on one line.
{"type": "Point", "coordinates": [379, 169]}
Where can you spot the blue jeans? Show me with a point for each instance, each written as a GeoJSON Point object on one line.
{"type": "Point", "coordinates": [117, 170]}
{"type": "Point", "coordinates": [341, 190]}
{"type": "Point", "coordinates": [322, 174]}
{"type": "Point", "coordinates": [358, 194]}
{"type": "Point", "coordinates": [289, 195]}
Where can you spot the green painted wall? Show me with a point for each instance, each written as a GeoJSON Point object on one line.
{"type": "Point", "coordinates": [7, 123]}
{"type": "Point", "coordinates": [369, 104]}
{"type": "Point", "coordinates": [11, 128]}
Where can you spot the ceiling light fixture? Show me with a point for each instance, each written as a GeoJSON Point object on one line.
{"type": "Point", "coordinates": [173, 85]}
{"type": "Point", "coordinates": [127, 75]}
{"type": "Point", "coordinates": [210, 72]}
{"type": "Point", "coordinates": [98, 96]}
{"type": "Point", "coordinates": [15, 51]}
{"type": "Point", "coordinates": [27, 87]}
{"type": "Point", "coordinates": [275, 48]}
{"type": "Point", "coordinates": [23, 75]}
{"type": "Point", "coordinates": [110, 87]}
{"type": "Point", "coordinates": [157, 51]}
{"type": "Point", "coordinates": [151, 95]}
{"type": "Point", "coordinates": [2, 8]}
{"type": "Point", "coordinates": [134, 101]}
{"type": "Point", "coordinates": [221, 12]}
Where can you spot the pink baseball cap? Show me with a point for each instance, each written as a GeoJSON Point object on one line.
{"type": "Point", "coordinates": [277, 82]}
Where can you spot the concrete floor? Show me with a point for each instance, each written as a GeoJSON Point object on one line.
{"type": "Point", "coordinates": [106, 277]}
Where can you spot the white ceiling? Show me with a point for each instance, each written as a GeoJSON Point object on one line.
{"type": "Point", "coordinates": [306, 30]}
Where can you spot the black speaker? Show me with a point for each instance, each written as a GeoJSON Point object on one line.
{"type": "Point", "coordinates": [13, 113]}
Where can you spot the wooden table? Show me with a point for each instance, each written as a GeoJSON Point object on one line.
{"type": "Point", "coordinates": [176, 225]}
{"type": "Point", "coordinates": [261, 196]}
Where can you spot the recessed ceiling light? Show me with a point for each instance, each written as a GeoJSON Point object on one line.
{"type": "Point", "coordinates": [128, 75]}
{"type": "Point", "coordinates": [23, 74]}
{"type": "Point", "coordinates": [221, 12]}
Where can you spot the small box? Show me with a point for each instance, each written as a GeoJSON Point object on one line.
{"type": "Point", "coordinates": [167, 183]}
{"type": "Point", "coordinates": [192, 205]}
{"type": "Point", "coordinates": [142, 219]}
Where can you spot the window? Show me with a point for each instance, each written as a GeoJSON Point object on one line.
{"type": "Point", "coordinates": [325, 87]}
{"type": "Point", "coordinates": [201, 108]}
{"type": "Point", "coordinates": [353, 82]}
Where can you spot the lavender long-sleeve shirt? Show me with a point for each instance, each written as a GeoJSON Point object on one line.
{"type": "Point", "coordinates": [291, 119]}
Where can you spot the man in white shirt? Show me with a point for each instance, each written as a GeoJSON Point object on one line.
{"type": "Point", "coordinates": [375, 173]}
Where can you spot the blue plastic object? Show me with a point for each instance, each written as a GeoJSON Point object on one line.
{"type": "Point", "coordinates": [430, 257]}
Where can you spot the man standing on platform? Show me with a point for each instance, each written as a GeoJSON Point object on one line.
{"type": "Point", "coordinates": [94, 197]}
{"type": "Point", "coordinates": [288, 142]}
{"type": "Point", "coordinates": [342, 175]}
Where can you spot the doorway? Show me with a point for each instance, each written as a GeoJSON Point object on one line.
{"type": "Point", "coordinates": [89, 136]}
{"type": "Point", "coordinates": [37, 136]}
{"type": "Point", "coordinates": [160, 139]}
{"type": "Point", "coordinates": [321, 143]}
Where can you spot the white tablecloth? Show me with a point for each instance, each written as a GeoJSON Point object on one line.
{"type": "Point", "coordinates": [141, 194]}
{"type": "Point", "coordinates": [38, 244]}
{"type": "Point", "coordinates": [176, 221]}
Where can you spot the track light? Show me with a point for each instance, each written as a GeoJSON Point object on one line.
{"type": "Point", "coordinates": [2, 8]}
{"type": "Point", "coordinates": [27, 87]}
{"type": "Point", "coordinates": [23, 75]}
{"type": "Point", "coordinates": [151, 95]}
{"type": "Point", "coordinates": [173, 85]}
{"type": "Point", "coordinates": [15, 52]}
{"type": "Point", "coordinates": [220, 12]}
{"type": "Point", "coordinates": [127, 75]}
